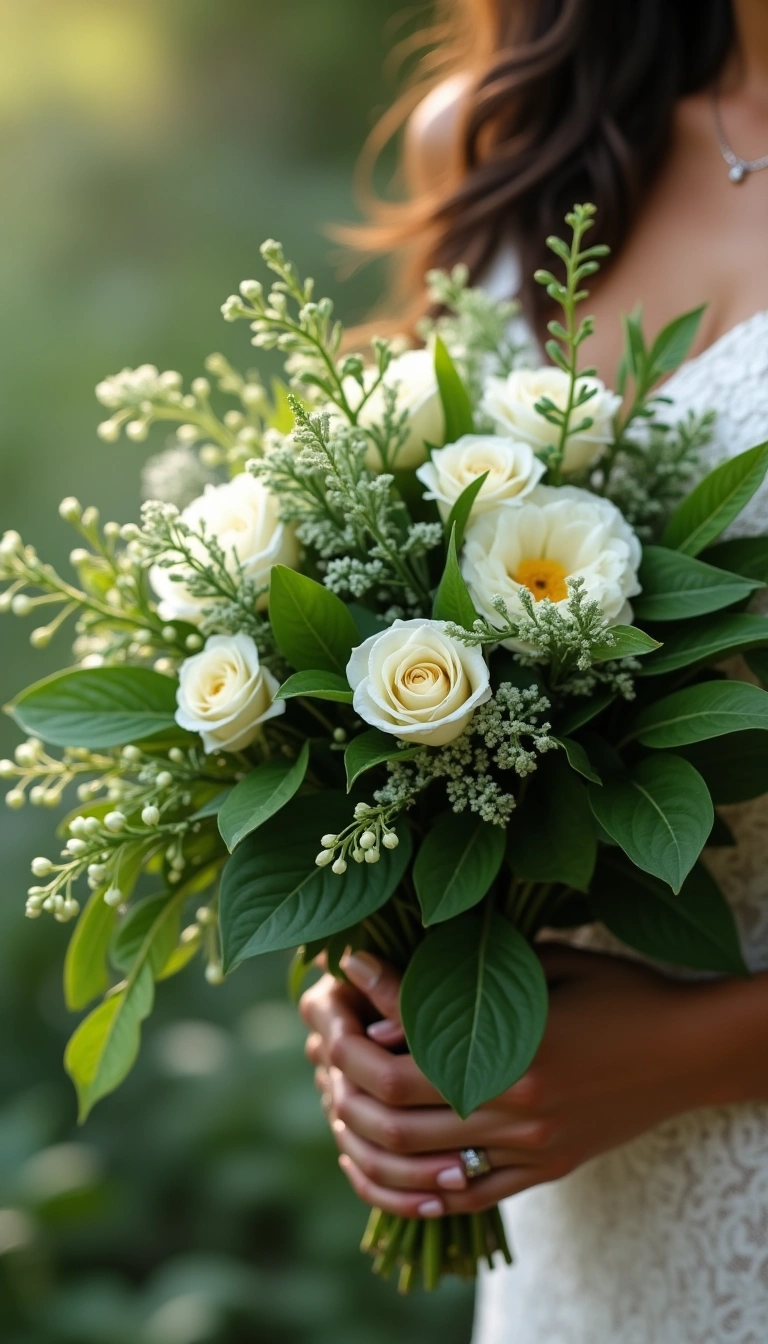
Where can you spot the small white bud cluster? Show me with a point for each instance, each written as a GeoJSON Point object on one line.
{"type": "Point", "coordinates": [62, 907]}
{"type": "Point", "coordinates": [362, 840]}
{"type": "Point", "coordinates": [132, 395]}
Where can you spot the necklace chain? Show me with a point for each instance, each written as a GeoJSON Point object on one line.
{"type": "Point", "coordinates": [738, 168]}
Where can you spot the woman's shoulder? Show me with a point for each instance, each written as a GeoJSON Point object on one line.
{"type": "Point", "coordinates": [432, 146]}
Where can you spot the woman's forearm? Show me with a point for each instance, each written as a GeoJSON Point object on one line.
{"type": "Point", "coordinates": [725, 1027]}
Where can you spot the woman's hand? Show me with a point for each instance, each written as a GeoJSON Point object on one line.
{"type": "Point", "coordinates": [624, 1049]}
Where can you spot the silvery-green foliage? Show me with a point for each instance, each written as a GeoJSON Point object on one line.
{"type": "Point", "coordinates": [475, 327]}
{"type": "Point", "coordinates": [653, 470]}
{"type": "Point", "coordinates": [505, 734]}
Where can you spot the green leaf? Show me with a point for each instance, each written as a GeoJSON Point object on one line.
{"type": "Point", "coordinates": [583, 711]}
{"type": "Point", "coordinates": [452, 600]}
{"type": "Point", "coordinates": [371, 749]}
{"type": "Point", "coordinates": [695, 929]}
{"type": "Point", "coordinates": [716, 501]}
{"type": "Point", "coordinates": [456, 865]}
{"type": "Point", "coordinates": [459, 515]}
{"type": "Point", "coordinates": [98, 707]}
{"type": "Point", "coordinates": [212, 807]}
{"type": "Point", "coordinates": [260, 795]}
{"type": "Point", "coordinates": [630, 643]}
{"type": "Point", "coordinates": [734, 767]}
{"type": "Point", "coordinates": [317, 685]}
{"type": "Point", "coordinates": [741, 555]}
{"type": "Point", "coordinates": [706, 641]}
{"type": "Point", "coordinates": [104, 1046]}
{"type": "Point", "coordinates": [660, 814]}
{"type": "Point", "coordinates": [578, 759]}
{"type": "Point", "coordinates": [273, 896]}
{"type": "Point", "coordinates": [474, 1008]}
{"type": "Point", "coordinates": [457, 406]}
{"type": "Point", "coordinates": [676, 587]}
{"type": "Point", "coordinates": [367, 622]}
{"type": "Point", "coordinates": [138, 923]}
{"type": "Point", "coordinates": [698, 712]}
{"type": "Point", "coordinates": [673, 342]}
{"type": "Point", "coordinates": [551, 835]}
{"type": "Point", "coordinates": [313, 628]}
{"type": "Point", "coordinates": [86, 974]}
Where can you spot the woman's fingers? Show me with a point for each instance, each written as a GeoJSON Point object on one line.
{"type": "Point", "coordinates": [394, 1079]}
{"type": "Point", "coordinates": [479, 1194]}
{"type": "Point", "coordinates": [435, 1172]}
{"type": "Point", "coordinates": [426, 1130]}
{"type": "Point", "coordinates": [379, 982]}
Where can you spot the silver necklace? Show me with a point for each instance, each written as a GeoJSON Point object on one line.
{"type": "Point", "coordinates": [738, 168]}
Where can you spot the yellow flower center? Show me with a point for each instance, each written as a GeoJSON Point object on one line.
{"type": "Point", "coordinates": [545, 578]}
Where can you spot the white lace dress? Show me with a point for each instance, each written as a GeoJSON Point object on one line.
{"type": "Point", "coordinates": [665, 1240]}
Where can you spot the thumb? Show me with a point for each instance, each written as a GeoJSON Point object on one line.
{"type": "Point", "coordinates": [376, 979]}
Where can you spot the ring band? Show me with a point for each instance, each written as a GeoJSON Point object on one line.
{"type": "Point", "coordinates": [475, 1162]}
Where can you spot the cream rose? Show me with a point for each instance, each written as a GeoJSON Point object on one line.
{"type": "Point", "coordinates": [512, 467]}
{"type": "Point", "coordinates": [225, 694]}
{"type": "Point", "coordinates": [554, 535]}
{"type": "Point", "coordinates": [413, 373]}
{"type": "Point", "coordinates": [241, 516]}
{"type": "Point", "coordinates": [510, 403]}
{"type": "Point", "coordinates": [417, 683]}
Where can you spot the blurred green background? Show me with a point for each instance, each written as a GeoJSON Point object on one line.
{"type": "Point", "coordinates": [146, 148]}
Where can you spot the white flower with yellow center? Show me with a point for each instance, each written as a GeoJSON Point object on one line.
{"type": "Point", "coordinates": [555, 535]}
{"type": "Point", "coordinates": [512, 472]}
{"type": "Point", "coordinates": [413, 374]}
{"type": "Point", "coordinates": [225, 694]}
{"type": "Point", "coordinates": [416, 682]}
{"type": "Point", "coordinates": [242, 517]}
{"type": "Point", "coordinates": [511, 404]}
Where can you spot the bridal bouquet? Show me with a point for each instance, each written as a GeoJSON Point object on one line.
{"type": "Point", "coordinates": [417, 653]}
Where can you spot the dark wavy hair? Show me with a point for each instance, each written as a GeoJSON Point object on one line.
{"type": "Point", "coordinates": [569, 100]}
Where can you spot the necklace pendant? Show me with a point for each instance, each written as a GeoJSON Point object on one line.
{"type": "Point", "coordinates": [738, 172]}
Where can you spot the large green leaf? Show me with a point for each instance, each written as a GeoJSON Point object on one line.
{"type": "Point", "coordinates": [734, 767]}
{"type": "Point", "coordinates": [98, 707]}
{"type": "Point", "coordinates": [474, 1008]}
{"type": "Point", "coordinates": [705, 641]}
{"type": "Point", "coordinates": [260, 795]}
{"type": "Point", "coordinates": [456, 865]}
{"type": "Point", "coordinates": [578, 759]}
{"type": "Point", "coordinates": [373, 748]}
{"type": "Point", "coordinates": [583, 711]}
{"type": "Point", "coordinates": [312, 626]}
{"type": "Point", "coordinates": [316, 685]}
{"type": "Point", "coordinates": [452, 600]}
{"type": "Point", "coordinates": [551, 835]}
{"type": "Point", "coordinates": [86, 974]}
{"type": "Point", "coordinates": [716, 501]}
{"type": "Point", "coordinates": [273, 896]}
{"type": "Point", "coordinates": [699, 712]}
{"type": "Point", "coordinates": [660, 814]}
{"type": "Point", "coordinates": [695, 929]}
{"type": "Point", "coordinates": [741, 555]}
{"type": "Point", "coordinates": [104, 1046]}
{"type": "Point", "coordinates": [676, 587]}
{"type": "Point", "coordinates": [629, 642]}
{"type": "Point", "coordinates": [139, 922]}
{"type": "Point", "coordinates": [457, 406]}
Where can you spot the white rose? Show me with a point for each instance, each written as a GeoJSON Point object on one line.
{"type": "Point", "coordinates": [417, 683]}
{"type": "Point", "coordinates": [417, 393]}
{"type": "Point", "coordinates": [241, 516]}
{"type": "Point", "coordinates": [224, 694]}
{"type": "Point", "coordinates": [513, 471]}
{"type": "Point", "coordinates": [510, 403]}
{"type": "Point", "coordinates": [554, 535]}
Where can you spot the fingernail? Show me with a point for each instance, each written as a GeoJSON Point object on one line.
{"type": "Point", "coordinates": [338, 1127]}
{"type": "Point", "coordinates": [431, 1208]}
{"type": "Point", "coordinates": [345, 1162]}
{"type": "Point", "coordinates": [452, 1178]}
{"type": "Point", "coordinates": [362, 969]}
{"type": "Point", "coordinates": [385, 1030]}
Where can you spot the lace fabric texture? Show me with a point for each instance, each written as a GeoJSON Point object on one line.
{"type": "Point", "coordinates": [665, 1240]}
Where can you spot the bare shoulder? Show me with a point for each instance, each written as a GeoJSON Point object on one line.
{"type": "Point", "coordinates": [432, 132]}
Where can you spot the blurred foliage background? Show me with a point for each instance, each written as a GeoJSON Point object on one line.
{"type": "Point", "coordinates": [146, 148]}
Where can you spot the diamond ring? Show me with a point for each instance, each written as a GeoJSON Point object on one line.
{"type": "Point", "coordinates": [475, 1162]}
